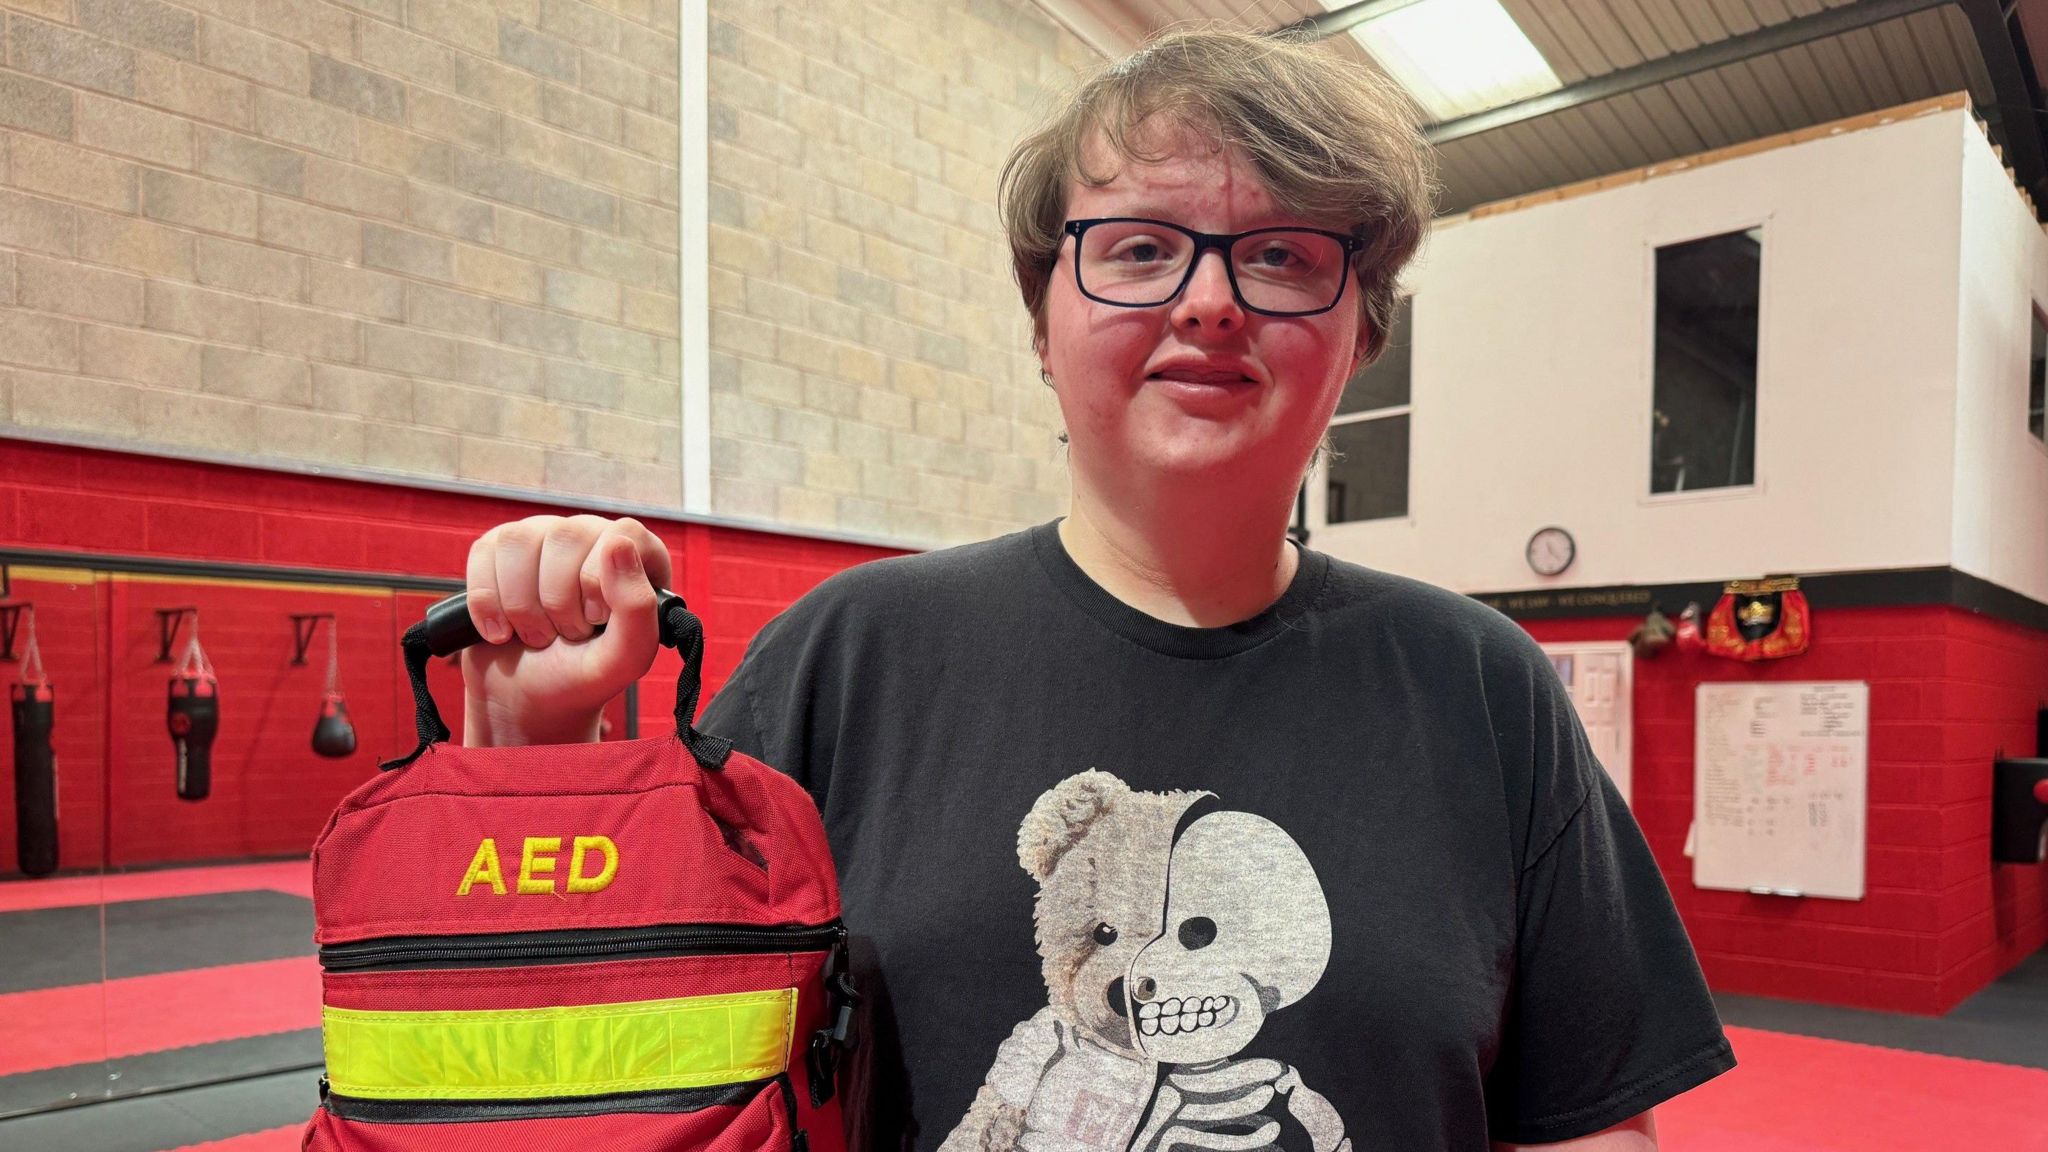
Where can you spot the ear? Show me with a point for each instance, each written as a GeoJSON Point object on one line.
{"type": "Point", "coordinates": [1062, 817]}
{"type": "Point", "coordinates": [1362, 346]}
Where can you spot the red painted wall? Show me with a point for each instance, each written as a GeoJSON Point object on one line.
{"type": "Point", "coordinates": [271, 794]}
{"type": "Point", "coordinates": [1949, 691]}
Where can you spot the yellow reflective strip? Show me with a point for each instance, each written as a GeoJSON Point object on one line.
{"type": "Point", "coordinates": [522, 1053]}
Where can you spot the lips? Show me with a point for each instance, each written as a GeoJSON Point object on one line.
{"type": "Point", "coordinates": [1172, 1017]}
{"type": "Point", "coordinates": [1217, 378]}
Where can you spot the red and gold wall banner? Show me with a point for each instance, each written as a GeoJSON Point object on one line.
{"type": "Point", "coordinates": [1759, 620]}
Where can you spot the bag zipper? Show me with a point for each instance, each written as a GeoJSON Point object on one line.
{"type": "Point", "coordinates": [506, 949]}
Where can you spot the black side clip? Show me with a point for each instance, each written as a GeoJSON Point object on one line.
{"type": "Point", "coordinates": [827, 1043]}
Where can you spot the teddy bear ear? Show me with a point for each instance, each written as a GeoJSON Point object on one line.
{"type": "Point", "coordinates": [1062, 816]}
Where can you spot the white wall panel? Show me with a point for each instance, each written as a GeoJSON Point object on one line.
{"type": "Point", "coordinates": [1532, 375]}
{"type": "Point", "coordinates": [2001, 503]}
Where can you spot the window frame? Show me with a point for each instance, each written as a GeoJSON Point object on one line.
{"type": "Point", "coordinates": [1758, 486]}
{"type": "Point", "coordinates": [1319, 477]}
{"type": "Point", "coordinates": [2037, 316]}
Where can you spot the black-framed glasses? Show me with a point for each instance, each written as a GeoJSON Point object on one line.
{"type": "Point", "coordinates": [1132, 262]}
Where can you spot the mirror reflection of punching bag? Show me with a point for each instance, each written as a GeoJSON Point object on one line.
{"type": "Point", "coordinates": [193, 717]}
{"type": "Point", "coordinates": [334, 735]}
{"type": "Point", "coordinates": [35, 762]}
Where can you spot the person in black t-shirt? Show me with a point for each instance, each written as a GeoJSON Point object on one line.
{"type": "Point", "coordinates": [1155, 830]}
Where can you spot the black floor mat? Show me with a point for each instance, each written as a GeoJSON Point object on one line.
{"type": "Point", "coordinates": [155, 1071]}
{"type": "Point", "coordinates": [53, 947]}
{"type": "Point", "coordinates": [2006, 1023]}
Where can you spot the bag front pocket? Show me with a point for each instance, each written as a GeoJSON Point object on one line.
{"type": "Point", "coordinates": [667, 1039]}
{"type": "Point", "coordinates": [757, 1116]}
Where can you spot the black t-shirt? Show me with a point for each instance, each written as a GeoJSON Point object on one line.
{"type": "Point", "coordinates": [1345, 875]}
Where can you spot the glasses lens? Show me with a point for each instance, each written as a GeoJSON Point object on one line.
{"type": "Point", "coordinates": [1289, 271]}
{"type": "Point", "coordinates": [1133, 261]}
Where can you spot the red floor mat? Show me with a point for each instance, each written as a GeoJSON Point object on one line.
{"type": "Point", "coordinates": [1798, 1094]}
{"type": "Point", "coordinates": [293, 876]}
{"type": "Point", "coordinates": [284, 1139]}
{"type": "Point", "coordinates": [52, 1027]}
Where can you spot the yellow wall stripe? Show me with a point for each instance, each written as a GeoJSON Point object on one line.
{"type": "Point", "coordinates": [525, 1053]}
{"type": "Point", "coordinates": [261, 582]}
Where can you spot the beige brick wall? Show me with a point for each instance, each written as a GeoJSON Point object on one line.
{"type": "Point", "coordinates": [871, 367]}
{"type": "Point", "coordinates": [424, 237]}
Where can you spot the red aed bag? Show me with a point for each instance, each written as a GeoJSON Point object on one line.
{"type": "Point", "coordinates": [632, 946]}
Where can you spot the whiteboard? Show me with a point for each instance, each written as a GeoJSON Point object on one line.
{"type": "Point", "coordinates": [1780, 787]}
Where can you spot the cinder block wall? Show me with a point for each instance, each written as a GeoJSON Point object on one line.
{"type": "Point", "coordinates": [426, 237]}
{"type": "Point", "coordinates": [871, 364]}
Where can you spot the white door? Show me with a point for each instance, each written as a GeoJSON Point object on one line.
{"type": "Point", "coordinates": [1597, 677]}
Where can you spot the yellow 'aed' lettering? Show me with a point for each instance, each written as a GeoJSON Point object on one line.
{"type": "Point", "coordinates": [484, 866]}
{"type": "Point", "coordinates": [537, 860]}
{"type": "Point", "coordinates": [578, 882]}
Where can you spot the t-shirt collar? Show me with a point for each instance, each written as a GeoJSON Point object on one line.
{"type": "Point", "coordinates": [1171, 639]}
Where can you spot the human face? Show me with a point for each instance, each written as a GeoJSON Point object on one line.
{"type": "Point", "coordinates": [1197, 388]}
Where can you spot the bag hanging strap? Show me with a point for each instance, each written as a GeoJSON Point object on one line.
{"type": "Point", "coordinates": [193, 664]}
{"type": "Point", "coordinates": [32, 672]}
{"type": "Point", "coordinates": [333, 659]}
{"type": "Point", "coordinates": [447, 629]}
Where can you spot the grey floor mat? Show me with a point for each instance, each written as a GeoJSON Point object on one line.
{"type": "Point", "coordinates": [169, 1119]}
{"type": "Point", "coordinates": [155, 1071]}
{"type": "Point", "coordinates": [2006, 1023]}
{"type": "Point", "coordinates": [53, 947]}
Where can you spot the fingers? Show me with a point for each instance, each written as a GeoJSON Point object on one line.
{"type": "Point", "coordinates": [626, 650]}
{"type": "Point", "coordinates": [654, 563]}
{"type": "Point", "coordinates": [549, 576]}
{"type": "Point", "coordinates": [481, 575]}
{"type": "Point", "coordinates": [517, 562]}
{"type": "Point", "coordinates": [565, 547]}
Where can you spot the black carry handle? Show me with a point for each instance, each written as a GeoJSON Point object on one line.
{"type": "Point", "coordinates": [447, 629]}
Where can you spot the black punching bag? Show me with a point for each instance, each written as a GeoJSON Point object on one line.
{"type": "Point", "coordinates": [334, 735]}
{"type": "Point", "coordinates": [35, 763]}
{"type": "Point", "coordinates": [193, 717]}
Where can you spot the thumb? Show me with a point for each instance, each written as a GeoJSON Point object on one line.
{"type": "Point", "coordinates": [626, 649]}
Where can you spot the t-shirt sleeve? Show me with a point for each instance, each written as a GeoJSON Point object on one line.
{"type": "Point", "coordinates": [1608, 1014]}
{"type": "Point", "coordinates": [778, 706]}
{"type": "Point", "coordinates": [731, 713]}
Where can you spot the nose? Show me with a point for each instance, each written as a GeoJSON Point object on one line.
{"type": "Point", "coordinates": [1143, 989]}
{"type": "Point", "coordinates": [1207, 301]}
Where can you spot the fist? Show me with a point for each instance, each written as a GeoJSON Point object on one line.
{"type": "Point", "coordinates": [538, 588]}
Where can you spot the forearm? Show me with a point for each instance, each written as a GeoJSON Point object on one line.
{"type": "Point", "coordinates": [1638, 1134]}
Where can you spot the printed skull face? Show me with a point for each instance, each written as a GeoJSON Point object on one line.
{"type": "Point", "coordinates": [1099, 852]}
{"type": "Point", "coordinates": [1247, 932]}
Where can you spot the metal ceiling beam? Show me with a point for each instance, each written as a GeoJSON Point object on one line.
{"type": "Point", "coordinates": [2016, 90]}
{"type": "Point", "coordinates": [1777, 37]}
{"type": "Point", "coordinates": [1342, 19]}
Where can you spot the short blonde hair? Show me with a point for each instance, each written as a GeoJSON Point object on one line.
{"type": "Point", "coordinates": [1336, 143]}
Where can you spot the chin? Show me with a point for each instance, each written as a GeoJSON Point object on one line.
{"type": "Point", "coordinates": [1197, 448]}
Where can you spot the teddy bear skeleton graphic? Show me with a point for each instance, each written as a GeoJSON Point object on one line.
{"type": "Point", "coordinates": [1166, 939]}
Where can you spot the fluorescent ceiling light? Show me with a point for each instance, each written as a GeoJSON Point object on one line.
{"type": "Point", "coordinates": [1456, 57]}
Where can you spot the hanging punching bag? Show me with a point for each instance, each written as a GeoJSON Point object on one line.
{"type": "Point", "coordinates": [35, 762]}
{"type": "Point", "coordinates": [193, 717]}
{"type": "Point", "coordinates": [334, 735]}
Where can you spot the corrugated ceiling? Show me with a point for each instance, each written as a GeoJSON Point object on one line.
{"type": "Point", "coordinates": [1926, 54]}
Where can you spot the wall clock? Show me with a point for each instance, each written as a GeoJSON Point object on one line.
{"type": "Point", "coordinates": [1551, 551]}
